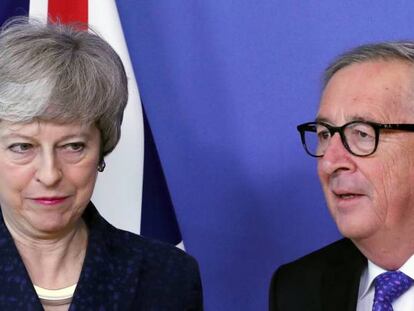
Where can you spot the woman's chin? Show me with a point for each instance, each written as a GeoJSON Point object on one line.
{"type": "Point", "coordinates": [51, 224]}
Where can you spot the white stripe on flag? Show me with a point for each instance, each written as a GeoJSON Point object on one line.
{"type": "Point", "coordinates": [181, 245]}
{"type": "Point", "coordinates": [38, 9]}
{"type": "Point", "coordinates": [118, 191]}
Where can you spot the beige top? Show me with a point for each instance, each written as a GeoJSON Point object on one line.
{"type": "Point", "coordinates": [55, 297]}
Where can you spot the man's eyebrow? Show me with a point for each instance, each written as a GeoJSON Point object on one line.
{"type": "Point", "coordinates": [321, 119]}
{"type": "Point", "coordinates": [363, 118]}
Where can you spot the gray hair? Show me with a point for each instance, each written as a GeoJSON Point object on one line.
{"type": "Point", "coordinates": [399, 50]}
{"type": "Point", "coordinates": [61, 73]}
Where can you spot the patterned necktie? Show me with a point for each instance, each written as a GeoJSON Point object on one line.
{"type": "Point", "coordinates": [388, 287]}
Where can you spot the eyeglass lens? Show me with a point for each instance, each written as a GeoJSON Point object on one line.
{"type": "Point", "coordinates": [360, 138]}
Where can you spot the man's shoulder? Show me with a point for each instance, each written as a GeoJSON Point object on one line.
{"type": "Point", "coordinates": [304, 276]}
{"type": "Point", "coordinates": [332, 255]}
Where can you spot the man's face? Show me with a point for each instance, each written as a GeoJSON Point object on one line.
{"type": "Point", "coordinates": [370, 197]}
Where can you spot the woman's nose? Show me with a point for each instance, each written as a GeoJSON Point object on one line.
{"type": "Point", "coordinates": [48, 171]}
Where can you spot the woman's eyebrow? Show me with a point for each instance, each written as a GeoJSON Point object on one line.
{"type": "Point", "coordinates": [8, 135]}
{"type": "Point", "coordinates": [14, 135]}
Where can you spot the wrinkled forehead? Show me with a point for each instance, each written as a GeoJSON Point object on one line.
{"type": "Point", "coordinates": [375, 91]}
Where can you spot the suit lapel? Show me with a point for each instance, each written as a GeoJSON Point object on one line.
{"type": "Point", "coordinates": [17, 291]}
{"type": "Point", "coordinates": [340, 281]}
{"type": "Point", "coordinates": [105, 277]}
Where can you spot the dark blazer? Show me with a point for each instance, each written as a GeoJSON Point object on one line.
{"type": "Point", "coordinates": [121, 271]}
{"type": "Point", "coordinates": [326, 280]}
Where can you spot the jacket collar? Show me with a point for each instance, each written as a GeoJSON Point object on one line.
{"type": "Point", "coordinates": [104, 273]}
{"type": "Point", "coordinates": [17, 291]}
{"type": "Point", "coordinates": [340, 280]}
{"type": "Point", "coordinates": [101, 269]}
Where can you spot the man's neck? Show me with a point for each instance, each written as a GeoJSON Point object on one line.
{"type": "Point", "coordinates": [389, 253]}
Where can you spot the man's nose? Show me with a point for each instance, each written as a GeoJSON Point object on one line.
{"type": "Point", "coordinates": [48, 171]}
{"type": "Point", "coordinates": [336, 157]}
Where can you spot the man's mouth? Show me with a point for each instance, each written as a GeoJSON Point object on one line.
{"type": "Point", "coordinates": [346, 196]}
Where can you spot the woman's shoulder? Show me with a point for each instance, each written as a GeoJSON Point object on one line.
{"type": "Point", "coordinates": [149, 272]}
{"type": "Point", "coordinates": [127, 245]}
{"type": "Point", "coordinates": [129, 242]}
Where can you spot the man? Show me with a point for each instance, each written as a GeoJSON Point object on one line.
{"type": "Point", "coordinates": [363, 138]}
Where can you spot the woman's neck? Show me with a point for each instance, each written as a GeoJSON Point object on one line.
{"type": "Point", "coordinates": [56, 261]}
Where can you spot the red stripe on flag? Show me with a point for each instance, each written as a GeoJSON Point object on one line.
{"type": "Point", "coordinates": [68, 11]}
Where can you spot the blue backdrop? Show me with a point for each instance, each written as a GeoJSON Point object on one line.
{"type": "Point", "coordinates": [224, 84]}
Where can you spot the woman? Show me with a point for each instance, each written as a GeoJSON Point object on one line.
{"type": "Point", "coordinates": [62, 97]}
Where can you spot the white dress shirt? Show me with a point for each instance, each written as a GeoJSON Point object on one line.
{"type": "Point", "coordinates": [367, 288]}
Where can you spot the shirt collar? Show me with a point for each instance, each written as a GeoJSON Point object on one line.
{"type": "Point", "coordinates": [372, 271]}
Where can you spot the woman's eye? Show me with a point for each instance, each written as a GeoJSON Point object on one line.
{"type": "Point", "coordinates": [74, 147]}
{"type": "Point", "coordinates": [20, 147]}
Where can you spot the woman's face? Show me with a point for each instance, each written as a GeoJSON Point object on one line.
{"type": "Point", "coordinates": [47, 174]}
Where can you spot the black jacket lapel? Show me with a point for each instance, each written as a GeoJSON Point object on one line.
{"type": "Point", "coordinates": [340, 281]}
{"type": "Point", "coordinates": [104, 277]}
{"type": "Point", "coordinates": [17, 291]}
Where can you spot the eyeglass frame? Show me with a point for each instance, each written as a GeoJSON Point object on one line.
{"type": "Point", "coordinates": [407, 127]}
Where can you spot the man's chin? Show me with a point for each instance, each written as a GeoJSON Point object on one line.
{"type": "Point", "coordinates": [354, 227]}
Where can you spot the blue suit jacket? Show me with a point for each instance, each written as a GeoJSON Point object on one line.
{"type": "Point", "coordinates": [121, 271]}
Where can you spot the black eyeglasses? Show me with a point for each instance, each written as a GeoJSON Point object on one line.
{"type": "Point", "coordinates": [360, 138]}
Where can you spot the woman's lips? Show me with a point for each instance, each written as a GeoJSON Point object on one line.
{"type": "Point", "coordinates": [49, 200]}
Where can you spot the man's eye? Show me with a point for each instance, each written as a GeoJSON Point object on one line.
{"type": "Point", "coordinates": [74, 147]}
{"type": "Point", "coordinates": [363, 135]}
{"type": "Point", "coordinates": [20, 147]}
{"type": "Point", "coordinates": [323, 135]}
